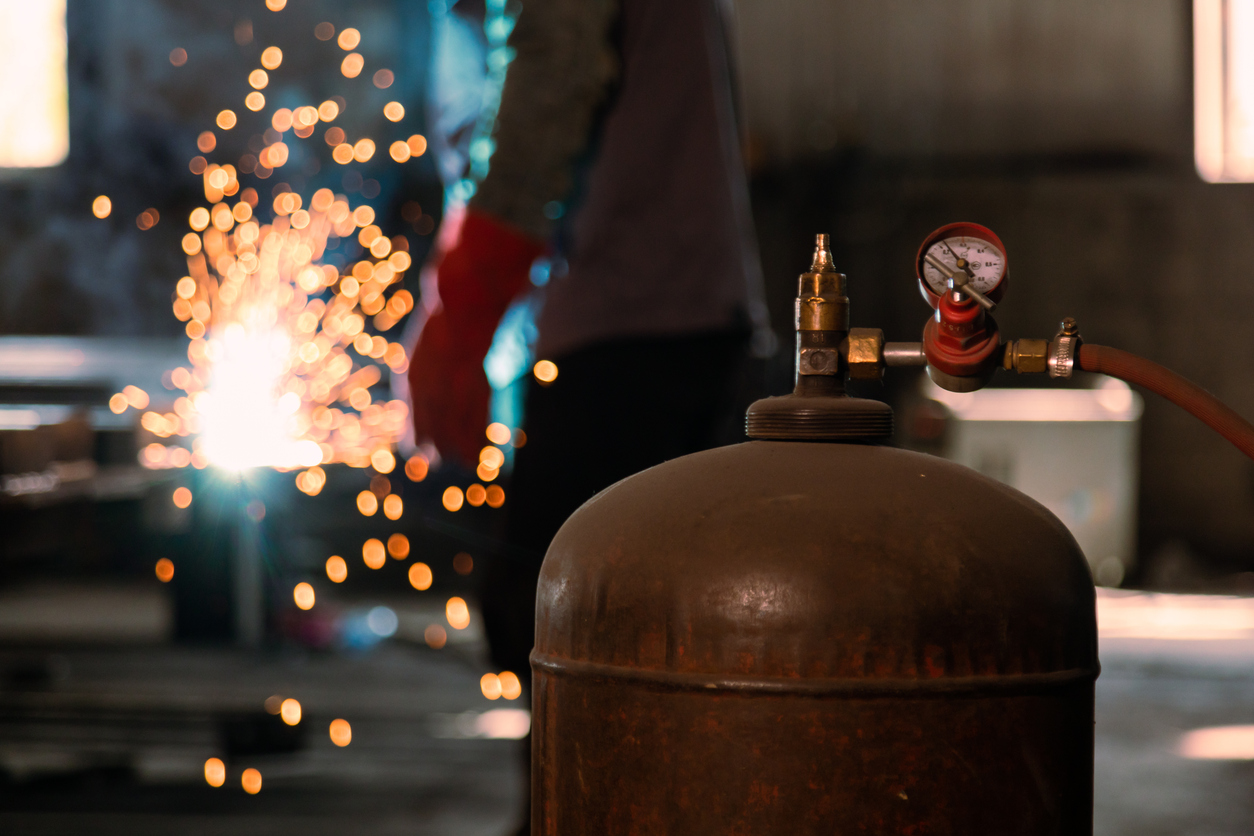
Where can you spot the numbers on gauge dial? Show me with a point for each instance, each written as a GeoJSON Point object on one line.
{"type": "Point", "coordinates": [984, 260]}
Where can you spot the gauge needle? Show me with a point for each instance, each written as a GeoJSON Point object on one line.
{"type": "Point", "coordinates": [963, 284]}
{"type": "Point", "coordinates": [939, 265]}
{"type": "Point", "coordinates": [963, 264]}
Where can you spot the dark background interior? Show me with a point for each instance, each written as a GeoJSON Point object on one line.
{"type": "Point", "coordinates": [1066, 127]}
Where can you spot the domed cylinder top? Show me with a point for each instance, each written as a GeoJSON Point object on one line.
{"type": "Point", "coordinates": [783, 637]}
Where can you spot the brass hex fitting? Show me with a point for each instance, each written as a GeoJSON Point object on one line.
{"type": "Point", "coordinates": [864, 351]}
{"type": "Point", "coordinates": [1027, 356]}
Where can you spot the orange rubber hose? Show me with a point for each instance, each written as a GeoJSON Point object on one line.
{"type": "Point", "coordinates": [1183, 393]}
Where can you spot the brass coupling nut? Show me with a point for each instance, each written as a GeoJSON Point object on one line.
{"type": "Point", "coordinates": [1027, 356]}
{"type": "Point", "coordinates": [864, 353]}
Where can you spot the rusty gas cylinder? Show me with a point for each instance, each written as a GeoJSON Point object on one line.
{"type": "Point", "coordinates": [813, 633]}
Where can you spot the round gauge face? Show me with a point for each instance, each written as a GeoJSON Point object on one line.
{"type": "Point", "coordinates": [984, 259]}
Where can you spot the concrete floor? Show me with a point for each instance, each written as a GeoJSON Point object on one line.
{"type": "Point", "coordinates": [1143, 787]}
{"type": "Point", "coordinates": [113, 739]}
{"type": "Point", "coordinates": [1172, 664]}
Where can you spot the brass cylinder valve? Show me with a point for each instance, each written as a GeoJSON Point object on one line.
{"type": "Point", "coordinates": [822, 314]}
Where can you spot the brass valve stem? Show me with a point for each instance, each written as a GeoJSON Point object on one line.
{"type": "Point", "coordinates": [822, 315]}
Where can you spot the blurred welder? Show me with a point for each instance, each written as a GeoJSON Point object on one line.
{"type": "Point", "coordinates": [622, 113]}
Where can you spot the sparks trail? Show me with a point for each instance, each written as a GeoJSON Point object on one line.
{"type": "Point", "coordinates": [281, 358]}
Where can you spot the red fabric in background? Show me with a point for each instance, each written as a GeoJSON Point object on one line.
{"type": "Point", "coordinates": [476, 279]}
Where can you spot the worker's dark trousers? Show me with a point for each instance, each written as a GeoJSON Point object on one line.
{"type": "Point", "coordinates": [615, 409]}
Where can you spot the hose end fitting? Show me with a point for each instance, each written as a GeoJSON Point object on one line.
{"type": "Point", "coordinates": [1064, 349]}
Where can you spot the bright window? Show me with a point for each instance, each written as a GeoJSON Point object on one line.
{"type": "Point", "coordinates": [34, 99]}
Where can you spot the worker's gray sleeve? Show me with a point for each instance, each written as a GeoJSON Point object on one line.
{"type": "Point", "coordinates": [563, 65]}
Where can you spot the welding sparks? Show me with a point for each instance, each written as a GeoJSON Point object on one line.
{"type": "Point", "coordinates": [165, 570]}
{"type": "Point", "coordinates": [420, 576]}
{"type": "Point", "coordinates": [269, 357]}
{"type": "Point", "coordinates": [245, 425]}
{"type": "Point", "coordinates": [457, 613]}
{"type": "Point", "coordinates": [215, 772]}
{"type": "Point", "coordinates": [303, 596]}
{"type": "Point", "coordinates": [285, 347]}
{"type": "Point", "coordinates": [271, 382]}
{"type": "Point", "coordinates": [373, 554]}
{"type": "Point", "coordinates": [398, 546]}
{"type": "Point", "coordinates": [545, 372]}
{"type": "Point", "coordinates": [250, 780]}
{"type": "Point", "coordinates": [341, 733]}
{"type": "Point", "coordinates": [289, 711]}
{"type": "Point", "coordinates": [505, 684]}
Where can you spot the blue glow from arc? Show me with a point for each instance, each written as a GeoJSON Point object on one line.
{"type": "Point", "coordinates": [510, 359]}
{"type": "Point", "coordinates": [511, 355]}
{"type": "Point", "coordinates": [382, 621]}
{"type": "Point", "coordinates": [363, 629]}
{"type": "Point", "coordinates": [541, 270]}
{"type": "Point", "coordinates": [497, 26]}
{"type": "Point", "coordinates": [479, 84]}
{"type": "Point", "coordinates": [481, 151]}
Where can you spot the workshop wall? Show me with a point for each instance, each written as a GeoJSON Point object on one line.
{"type": "Point", "coordinates": [966, 77]}
{"type": "Point", "coordinates": [1067, 128]}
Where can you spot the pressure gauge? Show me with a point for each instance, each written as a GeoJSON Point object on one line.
{"type": "Point", "coordinates": [962, 255]}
